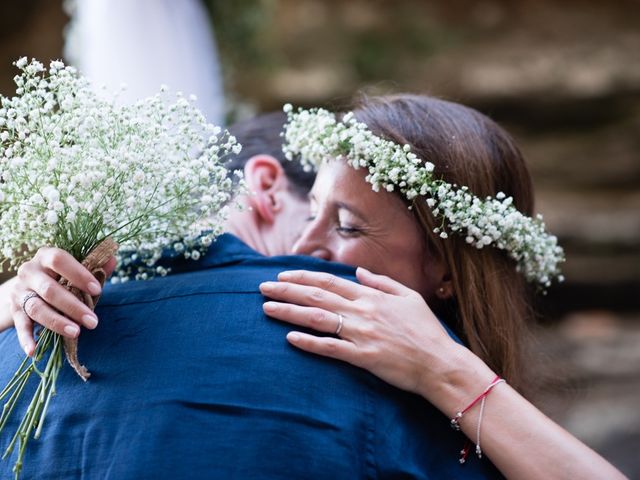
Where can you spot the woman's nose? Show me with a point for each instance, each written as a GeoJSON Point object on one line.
{"type": "Point", "coordinates": [310, 243]}
{"type": "Point", "coordinates": [322, 253]}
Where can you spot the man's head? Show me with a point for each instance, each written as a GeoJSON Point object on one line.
{"type": "Point", "coordinates": [278, 203]}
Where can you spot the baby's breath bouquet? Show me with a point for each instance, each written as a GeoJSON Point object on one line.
{"type": "Point", "coordinates": [83, 174]}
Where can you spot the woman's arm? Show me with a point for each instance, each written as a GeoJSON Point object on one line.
{"type": "Point", "coordinates": [53, 306]}
{"type": "Point", "coordinates": [519, 439]}
{"type": "Point", "coordinates": [389, 330]}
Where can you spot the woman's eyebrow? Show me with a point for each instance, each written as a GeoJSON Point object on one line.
{"type": "Point", "coordinates": [351, 209]}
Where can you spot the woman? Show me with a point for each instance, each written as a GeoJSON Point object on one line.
{"type": "Point", "coordinates": [385, 325]}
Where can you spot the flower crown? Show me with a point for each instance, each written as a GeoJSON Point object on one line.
{"type": "Point", "coordinates": [316, 136]}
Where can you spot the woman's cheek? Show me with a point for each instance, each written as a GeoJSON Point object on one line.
{"type": "Point", "coordinates": [359, 254]}
{"type": "Point", "coordinates": [351, 253]}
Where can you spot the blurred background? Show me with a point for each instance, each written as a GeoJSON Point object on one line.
{"type": "Point", "coordinates": [562, 75]}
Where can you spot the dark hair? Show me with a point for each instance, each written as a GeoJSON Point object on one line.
{"type": "Point", "coordinates": [491, 306]}
{"type": "Point", "coordinates": [261, 135]}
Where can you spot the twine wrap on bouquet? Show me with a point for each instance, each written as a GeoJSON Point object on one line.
{"type": "Point", "coordinates": [94, 263]}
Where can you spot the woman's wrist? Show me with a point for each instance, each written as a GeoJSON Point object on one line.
{"type": "Point", "coordinates": [454, 378]}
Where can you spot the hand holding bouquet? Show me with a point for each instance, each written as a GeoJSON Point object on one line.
{"type": "Point", "coordinates": [82, 174]}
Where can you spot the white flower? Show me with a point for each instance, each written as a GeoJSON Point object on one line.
{"type": "Point", "coordinates": [51, 217]}
{"type": "Point", "coordinates": [56, 65]}
{"type": "Point", "coordinates": [206, 240]}
{"type": "Point", "coordinates": [51, 193]}
{"type": "Point", "coordinates": [75, 164]}
{"type": "Point", "coordinates": [316, 136]}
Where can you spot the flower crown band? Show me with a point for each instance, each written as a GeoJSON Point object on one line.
{"type": "Point", "coordinates": [316, 136]}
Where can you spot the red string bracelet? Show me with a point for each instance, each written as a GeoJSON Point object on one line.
{"type": "Point", "coordinates": [455, 421]}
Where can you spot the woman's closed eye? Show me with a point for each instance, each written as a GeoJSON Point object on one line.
{"type": "Point", "coordinates": [348, 224]}
{"type": "Point", "coordinates": [349, 230]}
{"type": "Point", "coordinates": [346, 230]}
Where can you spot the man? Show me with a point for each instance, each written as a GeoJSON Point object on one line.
{"type": "Point", "coordinates": [191, 380]}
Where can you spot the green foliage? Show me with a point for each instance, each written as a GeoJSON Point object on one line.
{"type": "Point", "coordinates": [241, 29]}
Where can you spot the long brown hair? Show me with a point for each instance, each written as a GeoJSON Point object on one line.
{"type": "Point", "coordinates": [490, 308]}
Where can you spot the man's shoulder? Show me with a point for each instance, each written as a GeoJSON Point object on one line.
{"type": "Point", "coordinates": [240, 276]}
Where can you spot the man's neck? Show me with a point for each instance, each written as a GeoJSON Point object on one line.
{"type": "Point", "coordinates": [243, 225]}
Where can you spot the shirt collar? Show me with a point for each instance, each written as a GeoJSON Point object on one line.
{"type": "Point", "coordinates": [226, 249]}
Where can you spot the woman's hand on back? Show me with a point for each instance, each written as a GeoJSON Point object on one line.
{"type": "Point", "coordinates": [53, 306]}
{"type": "Point", "coordinates": [389, 330]}
{"type": "Point", "coordinates": [383, 326]}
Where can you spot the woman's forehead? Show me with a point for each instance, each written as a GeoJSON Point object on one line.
{"type": "Point", "coordinates": [343, 186]}
{"type": "Point", "coordinates": [336, 181]}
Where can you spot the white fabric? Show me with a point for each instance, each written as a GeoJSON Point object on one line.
{"type": "Point", "coordinates": [146, 43]}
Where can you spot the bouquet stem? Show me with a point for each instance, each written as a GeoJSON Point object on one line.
{"type": "Point", "coordinates": [37, 409]}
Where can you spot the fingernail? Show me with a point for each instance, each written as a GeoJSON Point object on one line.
{"type": "Point", "coordinates": [270, 307]}
{"type": "Point", "coordinates": [72, 330]}
{"type": "Point", "coordinates": [90, 321]}
{"type": "Point", "coordinates": [266, 287]}
{"type": "Point", "coordinates": [293, 337]}
{"type": "Point", "coordinates": [94, 288]}
{"type": "Point", "coordinates": [284, 276]}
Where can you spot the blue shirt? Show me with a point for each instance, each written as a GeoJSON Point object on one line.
{"type": "Point", "coordinates": [191, 381]}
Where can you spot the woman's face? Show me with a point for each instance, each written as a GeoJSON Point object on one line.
{"type": "Point", "coordinates": [352, 224]}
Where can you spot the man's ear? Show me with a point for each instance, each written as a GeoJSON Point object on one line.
{"type": "Point", "coordinates": [265, 178]}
